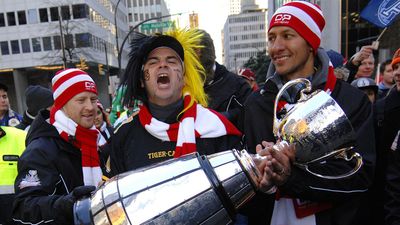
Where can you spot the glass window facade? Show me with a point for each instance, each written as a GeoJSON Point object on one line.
{"type": "Point", "coordinates": [15, 46]}
{"type": "Point", "coordinates": [4, 48]}
{"type": "Point", "coordinates": [36, 45]}
{"type": "Point", "coordinates": [32, 16]}
{"type": "Point", "coordinates": [26, 46]}
{"type": "Point", "coordinates": [11, 19]}
{"type": "Point", "coordinates": [21, 17]}
{"type": "Point", "coordinates": [43, 15]}
{"type": "Point", "coordinates": [47, 44]}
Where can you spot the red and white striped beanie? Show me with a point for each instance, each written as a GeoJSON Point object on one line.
{"type": "Point", "coordinates": [68, 83]}
{"type": "Point", "coordinates": [304, 17]}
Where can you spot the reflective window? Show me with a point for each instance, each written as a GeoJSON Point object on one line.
{"type": "Point", "coordinates": [15, 47]}
{"type": "Point", "coordinates": [158, 2]}
{"type": "Point", "coordinates": [36, 45]}
{"type": "Point", "coordinates": [57, 42]}
{"type": "Point", "coordinates": [2, 20]}
{"type": "Point", "coordinates": [140, 2]}
{"type": "Point", "coordinates": [26, 47]}
{"type": "Point", "coordinates": [69, 41]}
{"type": "Point", "coordinates": [44, 17]}
{"type": "Point", "coordinates": [65, 13]}
{"type": "Point", "coordinates": [54, 13]}
{"type": "Point", "coordinates": [4, 48]}
{"type": "Point", "coordinates": [80, 11]}
{"type": "Point", "coordinates": [134, 3]}
{"type": "Point", "coordinates": [21, 17]}
{"type": "Point", "coordinates": [11, 19]}
{"type": "Point", "coordinates": [130, 17]}
{"type": "Point", "coordinates": [32, 16]}
{"type": "Point", "coordinates": [47, 44]}
{"type": "Point", "coordinates": [129, 3]}
{"type": "Point", "coordinates": [83, 40]}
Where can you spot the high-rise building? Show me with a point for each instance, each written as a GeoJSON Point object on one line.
{"type": "Point", "coordinates": [244, 35]}
{"type": "Point", "coordinates": [141, 10]}
{"type": "Point", "coordinates": [32, 50]}
{"type": "Point", "coordinates": [234, 7]}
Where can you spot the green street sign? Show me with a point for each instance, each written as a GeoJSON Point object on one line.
{"type": "Point", "coordinates": [163, 24]}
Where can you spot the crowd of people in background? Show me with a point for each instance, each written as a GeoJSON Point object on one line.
{"type": "Point", "coordinates": [65, 144]}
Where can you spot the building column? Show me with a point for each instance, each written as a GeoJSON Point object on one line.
{"type": "Point", "coordinates": [20, 84]}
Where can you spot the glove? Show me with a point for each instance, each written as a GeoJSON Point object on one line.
{"type": "Point", "coordinates": [64, 205]}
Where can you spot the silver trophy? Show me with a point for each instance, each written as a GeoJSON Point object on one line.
{"type": "Point", "coordinates": [319, 129]}
{"type": "Point", "coordinates": [192, 189]}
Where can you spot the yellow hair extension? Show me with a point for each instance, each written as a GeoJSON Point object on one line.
{"type": "Point", "coordinates": [194, 72]}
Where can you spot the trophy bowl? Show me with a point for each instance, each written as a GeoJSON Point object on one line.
{"type": "Point", "coordinates": [318, 127]}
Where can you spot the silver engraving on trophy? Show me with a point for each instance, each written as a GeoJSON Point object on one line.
{"type": "Point", "coordinates": [319, 129]}
{"type": "Point", "coordinates": [192, 189]}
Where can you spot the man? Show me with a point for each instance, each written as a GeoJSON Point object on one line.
{"type": "Point", "coordinates": [7, 116]}
{"type": "Point", "coordinates": [390, 143]}
{"type": "Point", "coordinates": [250, 77]}
{"type": "Point", "coordinates": [368, 86]}
{"type": "Point", "coordinates": [294, 38]}
{"type": "Point", "coordinates": [386, 72]}
{"type": "Point", "coordinates": [361, 64]}
{"type": "Point", "coordinates": [60, 163]}
{"type": "Point", "coordinates": [163, 73]}
{"type": "Point", "coordinates": [12, 144]}
{"type": "Point", "coordinates": [36, 98]}
{"type": "Point", "coordinates": [226, 91]}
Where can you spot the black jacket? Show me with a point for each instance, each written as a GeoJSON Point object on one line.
{"type": "Point", "coordinates": [227, 93]}
{"type": "Point", "coordinates": [133, 147]}
{"type": "Point", "coordinates": [344, 194]}
{"type": "Point", "coordinates": [48, 169]}
{"type": "Point", "coordinates": [390, 129]}
{"type": "Point", "coordinates": [26, 122]}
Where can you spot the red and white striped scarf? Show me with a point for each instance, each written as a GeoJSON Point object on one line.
{"type": "Point", "coordinates": [85, 140]}
{"type": "Point", "coordinates": [196, 122]}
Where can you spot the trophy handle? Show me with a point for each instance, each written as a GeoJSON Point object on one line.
{"type": "Point", "coordinates": [341, 154]}
{"type": "Point", "coordinates": [277, 123]}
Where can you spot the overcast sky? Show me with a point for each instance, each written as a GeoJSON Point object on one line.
{"type": "Point", "coordinates": [212, 16]}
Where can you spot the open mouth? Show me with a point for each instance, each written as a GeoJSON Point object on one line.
{"type": "Point", "coordinates": [162, 79]}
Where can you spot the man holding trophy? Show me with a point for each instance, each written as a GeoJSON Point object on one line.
{"type": "Point", "coordinates": [309, 194]}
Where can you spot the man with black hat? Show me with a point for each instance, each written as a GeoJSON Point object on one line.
{"type": "Point", "coordinates": [8, 117]}
{"type": "Point", "coordinates": [294, 37]}
{"type": "Point", "coordinates": [36, 98]}
{"type": "Point", "coordinates": [164, 73]}
{"type": "Point", "coordinates": [368, 86]}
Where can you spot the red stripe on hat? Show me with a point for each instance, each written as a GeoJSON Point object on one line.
{"type": "Point", "coordinates": [73, 90]}
{"type": "Point", "coordinates": [300, 28]}
{"type": "Point", "coordinates": [66, 77]}
{"type": "Point", "coordinates": [315, 15]}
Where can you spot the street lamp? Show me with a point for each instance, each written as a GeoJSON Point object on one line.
{"type": "Point", "coordinates": [131, 30]}
{"type": "Point", "coordinates": [116, 30]}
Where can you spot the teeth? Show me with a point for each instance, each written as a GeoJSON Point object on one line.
{"type": "Point", "coordinates": [163, 75]}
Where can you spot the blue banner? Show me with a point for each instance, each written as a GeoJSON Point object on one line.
{"type": "Point", "coordinates": [381, 13]}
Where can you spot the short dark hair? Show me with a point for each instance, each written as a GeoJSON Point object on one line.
{"type": "Point", "coordinates": [3, 87]}
{"type": "Point", "coordinates": [384, 64]}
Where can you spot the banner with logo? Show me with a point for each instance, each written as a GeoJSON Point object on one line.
{"type": "Point", "coordinates": [381, 13]}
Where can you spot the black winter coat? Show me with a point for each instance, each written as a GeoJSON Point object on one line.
{"type": "Point", "coordinates": [227, 93]}
{"type": "Point", "coordinates": [48, 169]}
{"type": "Point", "coordinates": [390, 129]}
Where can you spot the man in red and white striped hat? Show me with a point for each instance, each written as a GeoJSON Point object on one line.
{"type": "Point", "coordinates": [294, 38]}
{"type": "Point", "coordinates": [61, 162]}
